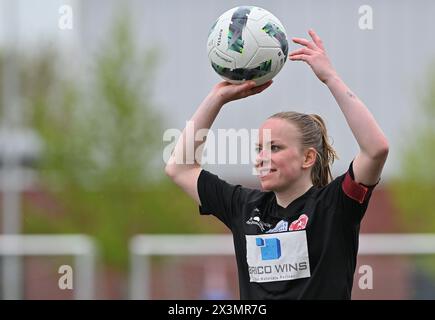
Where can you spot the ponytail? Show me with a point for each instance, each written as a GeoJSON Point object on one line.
{"type": "Point", "coordinates": [321, 173]}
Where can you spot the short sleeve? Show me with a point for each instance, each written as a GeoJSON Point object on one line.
{"type": "Point", "coordinates": [350, 197]}
{"type": "Point", "coordinates": [220, 198]}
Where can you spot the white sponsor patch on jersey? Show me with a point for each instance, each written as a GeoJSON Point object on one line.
{"type": "Point", "coordinates": [280, 227]}
{"type": "Point", "coordinates": [278, 257]}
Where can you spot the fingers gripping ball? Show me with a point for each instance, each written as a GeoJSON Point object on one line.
{"type": "Point", "coordinates": [247, 43]}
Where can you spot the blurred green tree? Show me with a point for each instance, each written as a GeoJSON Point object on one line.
{"type": "Point", "coordinates": [414, 191]}
{"type": "Point", "coordinates": [101, 172]}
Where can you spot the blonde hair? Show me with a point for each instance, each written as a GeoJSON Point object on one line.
{"type": "Point", "coordinates": [313, 134]}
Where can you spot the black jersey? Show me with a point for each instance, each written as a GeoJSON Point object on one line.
{"type": "Point", "coordinates": [307, 250]}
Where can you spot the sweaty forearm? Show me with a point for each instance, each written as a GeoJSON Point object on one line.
{"type": "Point", "coordinates": [187, 152]}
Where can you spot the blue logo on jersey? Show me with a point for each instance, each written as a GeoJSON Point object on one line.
{"type": "Point", "coordinates": [270, 248]}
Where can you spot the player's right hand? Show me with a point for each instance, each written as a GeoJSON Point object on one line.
{"type": "Point", "coordinates": [226, 92]}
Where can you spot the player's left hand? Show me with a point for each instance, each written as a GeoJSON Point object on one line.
{"type": "Point", "coordinates": [314, 54]}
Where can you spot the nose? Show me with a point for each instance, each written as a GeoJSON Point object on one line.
{"type": "Point", "coordinates": [263, 158]}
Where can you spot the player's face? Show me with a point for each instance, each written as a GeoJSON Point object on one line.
{"type": "Point", "coordinates": [279, 157]}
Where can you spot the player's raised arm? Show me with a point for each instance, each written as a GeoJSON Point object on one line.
{"type": "Point", "coordinates": [373, 144]}
{"type": "Point", "coordinates": [183, 168]}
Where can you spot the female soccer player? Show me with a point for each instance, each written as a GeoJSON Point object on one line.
{"type": "Point", "coordinates": [298, 237]}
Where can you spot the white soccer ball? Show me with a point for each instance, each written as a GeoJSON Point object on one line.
{"type": "Point", "coordinates": [247, 43]}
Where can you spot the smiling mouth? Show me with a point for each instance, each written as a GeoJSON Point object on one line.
{"type": "Point", "coordinates": [265, 172]}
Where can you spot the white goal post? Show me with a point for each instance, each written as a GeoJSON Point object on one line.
{"type": "Point", "coordinates": [142, 247]}
{"type": "Point", "coordinates": [82, 247]}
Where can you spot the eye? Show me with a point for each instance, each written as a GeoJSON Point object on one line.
{"type": "Point", "coordinates": [274, 148]}
{"type": "Point", "coordinates": [258, 149]}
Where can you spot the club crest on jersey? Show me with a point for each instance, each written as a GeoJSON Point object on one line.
{"type": "Point", "coordinates": [257, 221]}
{"type": "Point", "coordinates": [299, 224]}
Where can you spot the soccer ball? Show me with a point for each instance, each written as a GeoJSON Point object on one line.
{"type": "Point", "coordinates": [247, 43]}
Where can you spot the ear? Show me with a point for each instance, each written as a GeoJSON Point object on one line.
{"type": "Point", "coordinates": [310, 155]}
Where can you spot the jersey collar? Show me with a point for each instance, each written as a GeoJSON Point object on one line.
{"type": "Point", "coordinates": [294, 208]}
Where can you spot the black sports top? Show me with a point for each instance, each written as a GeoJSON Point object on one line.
{"type": "Point", "coordinates": [307, 250]}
